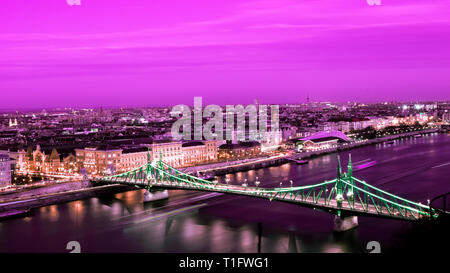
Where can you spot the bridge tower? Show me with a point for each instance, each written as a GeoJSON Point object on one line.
{"type": "Point", "coordinates": [349, 177]}
{"type": "Point", "coordinates": [339, 186]}
{"type": "Point", "coordinates": [154, 194]}
{"type": "Point", "coordinates": [344, 222]}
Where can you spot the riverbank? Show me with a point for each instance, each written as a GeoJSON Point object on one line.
{"type": "Point", "coordinates": [232, 167]}
{"type": "Point", "coordinates": [24, 205]}
{"type": "Point", "coordinates": [264, 163]}
{"type": "Point", "coordinates": [41, 189]}
{"type": "Point", "coordinates": [362, 143]}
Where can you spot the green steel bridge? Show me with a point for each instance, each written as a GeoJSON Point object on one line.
{"type": "Point", "coordinates": [343, 196]}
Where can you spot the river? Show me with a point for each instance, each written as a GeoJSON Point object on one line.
{"type": "Point", "coordinates": [415, 168]}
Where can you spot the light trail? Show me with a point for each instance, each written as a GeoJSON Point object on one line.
{"type": "Point", "coordinates": [442, 165]}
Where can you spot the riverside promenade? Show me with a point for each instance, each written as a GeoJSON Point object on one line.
{"type": "Point", "coordinates": [268, 161]}
{"type": "Point", "coordinates": [20, 203]}
{"type": "Point", "coordinates": [360, 143]}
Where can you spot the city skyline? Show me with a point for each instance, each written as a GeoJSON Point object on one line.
{"type": "Point", "coordinates": [164, 53]}
{"type": "Point", "coordinates": [408, 103]}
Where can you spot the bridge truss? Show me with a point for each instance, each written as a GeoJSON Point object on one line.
{"type": "Point", "coordinates": [345, 195]}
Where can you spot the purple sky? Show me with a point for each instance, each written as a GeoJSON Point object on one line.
{"type": "Point", "coordinates": [165, 52]}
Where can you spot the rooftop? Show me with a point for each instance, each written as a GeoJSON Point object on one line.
{"type": "Point", "coordinates": [134, 150]}
{"type": "Point", "coordinates": [193, 143]}
{"type": "Point", "coordinates": [247, 144]}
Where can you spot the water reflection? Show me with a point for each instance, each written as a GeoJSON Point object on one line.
{"type": "Point", "coordinates": [227, 223]}
{"type": "Point", "coordinates": [292, 244]}
{"type": "Point", "coordinates": [54, 213]}
{"type": "Point", "coordinates": [76, 212]}
{"type": "Point", "coordinates": [333, 248]}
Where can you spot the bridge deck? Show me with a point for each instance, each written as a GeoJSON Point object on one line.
{"type": "Point", "coordinates": [310, 201]}
{"type": "Point", "coordinates": [356, 197]}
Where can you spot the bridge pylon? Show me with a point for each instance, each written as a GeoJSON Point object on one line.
{"type": "Point", "coordinates": [153, 195]}
{"type": "Point", "coordinates": [349, 176]}
{"type": "Point", "coordinates": [149, 159]}
{"type": "Point", "coordinates": [344, 222]}
{"type": "Point", "coordinates": [339, 187]}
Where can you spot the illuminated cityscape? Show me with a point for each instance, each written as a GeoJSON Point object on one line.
{"type": "Point", "coordinates": [122, 140]}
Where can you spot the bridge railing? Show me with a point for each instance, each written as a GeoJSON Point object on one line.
{"type": "Point", "coordinates": [318, 193]}
{"type": "Point", "coordinates": [397, 198]}
{"type": "Point", "coordinates": [382, 201]}
{"type": "Point", "coordinates": [185, 175]}
{"type": "Point", "coordinates": [343, 193]}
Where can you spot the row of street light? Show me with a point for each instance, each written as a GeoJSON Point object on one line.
{"type": "Point", "coordinates": [245, 182]}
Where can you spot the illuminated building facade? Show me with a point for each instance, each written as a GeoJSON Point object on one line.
{"type": "Point", "coordinates": [198, 152]}
{"type": "Point", "coordinates": [40, 162]}
{"type": "Point", "coordinates": [319, 144]}
{"type": "Point", "coordinates": [133, 158]}
{"type": "Point", "coordinates": [179, 154]}
{"type": "Point", "coordinates": [170, 151]}
{"type": "Point", "coordinates": [106, 160]}
{"type": "Point", "coordinates": [241, 150]}
{"type": "Point", "coordinates": [13, 123]}
{"type": "Point", "coordinates": [98, 161]}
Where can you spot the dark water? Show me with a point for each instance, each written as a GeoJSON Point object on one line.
{"type": "Point", "coordinates": [415, 168]}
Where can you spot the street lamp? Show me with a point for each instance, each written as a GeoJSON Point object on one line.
{"type": "Point", "coordinates": [245, 183]}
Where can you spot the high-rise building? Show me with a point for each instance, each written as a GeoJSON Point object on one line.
{"type": "Point", "coordinates": [446, 117]}
{"type": "Point", "coordinates": [5, 169]}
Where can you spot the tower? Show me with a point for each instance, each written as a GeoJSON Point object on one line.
{"type": "Point", "coordinates": [350, 178]}
{"type": "Point", "coordinates": [349, 166]}
{"type": "Point", "coordinates": [339, 168]}
{"type": "Point", "coordinates": [339, 186]}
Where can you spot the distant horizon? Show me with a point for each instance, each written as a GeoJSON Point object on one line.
{"type": "Point", "coordinates": [61, 108]}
